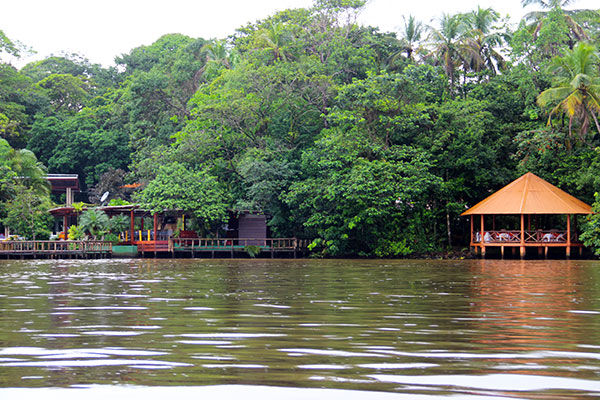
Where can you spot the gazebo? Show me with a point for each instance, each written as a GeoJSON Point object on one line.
{"type": "Point", "coordinates": [528, 197]}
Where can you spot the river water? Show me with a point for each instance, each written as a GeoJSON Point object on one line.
{"type": "Point", "coordinates": [299, 329]}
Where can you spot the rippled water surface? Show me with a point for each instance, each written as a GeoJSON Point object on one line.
{"type": "Point", "coordinates": [281, 328]}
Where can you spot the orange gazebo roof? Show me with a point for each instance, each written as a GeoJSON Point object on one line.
{"type": "Point", "coordinates": [530, 194]}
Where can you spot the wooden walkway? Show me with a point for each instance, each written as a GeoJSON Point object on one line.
{"type": "Point", "coordinates": [224, 247]}
{"type": "Point", "coordinates": [173, 247]}
{"type": "Point", "coordinates": [55, 249]}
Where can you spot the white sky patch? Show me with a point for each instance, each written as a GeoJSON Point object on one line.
{"type": "Point", "coordinates": [103, 30]}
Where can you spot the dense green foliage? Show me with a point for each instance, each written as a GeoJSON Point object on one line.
{"type": "Point", "coordinates": [366, 143]}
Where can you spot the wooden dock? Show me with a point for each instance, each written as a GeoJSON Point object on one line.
{"type": "Point", "coordinates": [224, 247]}
{"type": "Point", "coordinates": [55, 249]}
{"type": "Point", "coordinates": [173, 247]}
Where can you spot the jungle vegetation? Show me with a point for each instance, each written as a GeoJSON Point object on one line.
{"type": "Point", "coordinates": [369, 143]}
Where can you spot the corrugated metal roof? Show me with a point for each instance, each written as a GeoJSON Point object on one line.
{"type": "Point", "coordinates": [530, 194]}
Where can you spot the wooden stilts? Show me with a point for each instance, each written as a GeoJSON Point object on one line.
{"type": "Point", "coordinates": [545, 251]}
{"type": "Point", "coordinates": [472, 217]}
{"type": "Point", "coordinates": [155, 231]}
{"type": "Point", "coordinates": [502, 252]}
{"type": "Point", "coordinates": [482, 234]}
{"type": "Point", "coordinates": [522, 236]}
{"type": "Point", "coordinates": [131, 225]}
{"type": "Point", "coordinates": [568, 249]}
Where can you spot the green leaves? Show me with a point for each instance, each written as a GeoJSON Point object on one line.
{"type": "Point", "coordinates": [591, 230]}
{"type": "Point", "coordinates": [576, 90]}
{"type": "Point", "coordinates": [95, 222]}
{"type": "Point", "coordinates": [177, 187]}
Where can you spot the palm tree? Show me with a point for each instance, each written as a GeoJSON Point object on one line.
{"type": "Point", "coordinates": [94, 221]}
{"type": "Point", "coordinates": [217, 52]}
{"type": "Point", "coordinates": [411, 34]}
{"type": "Point", "coordinates": [452, 47]}
{"type": "Point", "coordinates": [30, 172]}
{"type": "Point", "coordinates": [218, 56]}
{"type": "Point", "coordinates": [274, 37]}
{"type": "Point", "coordinates": [575, 33]}
{"type": "Point", "coordinates": [481, 24]}
{"type": "Point", "coordinates": [576, 89]}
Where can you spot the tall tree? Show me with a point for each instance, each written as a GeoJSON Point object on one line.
{"type": "Point", "coordinates": [488, 38]}
{"type": "Point", "coordinates": [575, 31]}
{"type": "Point", "coordinates": [576, 88]}
{"type": "Point", "coordinates": [452, 47]}
{"type": "Point", "coordinates": [410, 35]}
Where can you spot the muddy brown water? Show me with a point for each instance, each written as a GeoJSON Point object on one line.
{"type": "Point", "coordinates": [305, 328]}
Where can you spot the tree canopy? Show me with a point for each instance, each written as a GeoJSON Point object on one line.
{"type": "Point", "coordinates": [368, 143]}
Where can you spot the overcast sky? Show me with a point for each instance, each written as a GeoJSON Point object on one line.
{"type": "Point", "coordinates": [103, 29]}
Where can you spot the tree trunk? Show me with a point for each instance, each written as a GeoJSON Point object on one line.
{"type": "Point", "coordinates": [448, 228]}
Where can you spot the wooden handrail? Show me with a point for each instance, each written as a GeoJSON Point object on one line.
{"type": "Point", "coordinates": [54, 246]}
{"type": "Point", "coordinates": [514, 236]}
{"type": "Point", "coordinates": [230, 243]}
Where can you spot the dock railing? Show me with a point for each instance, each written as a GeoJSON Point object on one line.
{"type": "Point", "coordinates": [49, 247]}
{"type": "Point", "coordinates": [277, 244]}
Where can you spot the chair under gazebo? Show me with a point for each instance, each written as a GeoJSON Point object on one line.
{"type": "Point", "coordinates": [528, 197]}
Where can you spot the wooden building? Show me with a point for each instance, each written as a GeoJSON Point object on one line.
{"type": "Point", "coordinates": [532, 202]}
{"type": "Point", "coordinates": [68, 183]}
{"type": "Point", "coordinates": [155, 233]}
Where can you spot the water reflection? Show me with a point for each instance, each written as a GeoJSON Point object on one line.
{"type": "Point", "coordinates": [413, 327]}
{"type": "Point", "coordinates": [525, 306]}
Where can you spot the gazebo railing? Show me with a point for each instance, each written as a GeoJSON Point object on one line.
{"type": "Point", "coordinates": [514, 236]}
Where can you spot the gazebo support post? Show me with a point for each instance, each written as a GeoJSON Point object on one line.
{"type": "Point", "coordinates": [155, 223]}
{"type": "Point", "coordinates": [522, 236]}
{"type": "Point", "coordinates": [568, 249]}
{"type": "Point", "coordinates": [471, 238]}
{"type": "Point", "coordinates": [131, 225]}
{"type": "Point", "coordinates": [65, 227]}
{"type": "Point", "coordinates": [481, 238]}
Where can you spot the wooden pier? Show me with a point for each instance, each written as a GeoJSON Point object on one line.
{"type": "Point", "coordinates": [55, 249]}
{"type": "Point", "coordinates": [224, 247]}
